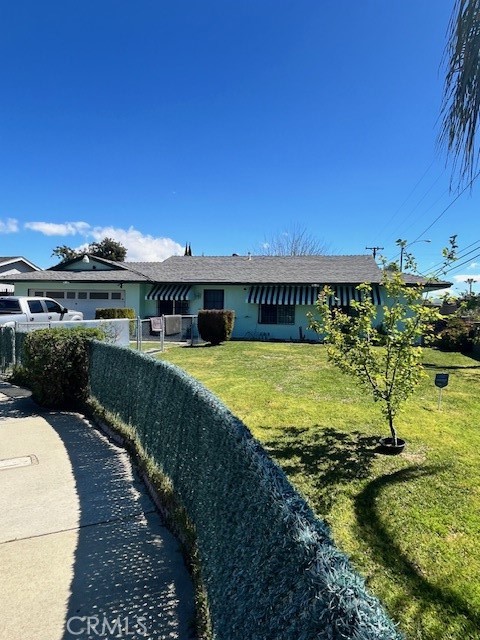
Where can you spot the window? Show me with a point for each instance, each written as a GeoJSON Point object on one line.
{"type": "Point", "coordinates": [182, 307]}
{"type": "Point", "coordinates": [71, 295]}
{"type": "Point", "coordinates": [116, 295]}
{"type": "Point", "coordinates": [213, 299]}
{"type": "Point", "coordinates": [98, 295]}
{"type": "Point", "coordinates": [35, 306]}
{"type": "Point", "coordinates": [82, 295]}
{"type": "Point", "coordinates": [55, 294]}
{"type": "Point", "coordinates": [276, 314]}
{"type": "Point", "coordinates": [53, 307]}
{"type": "Point", "coordinates": [171, 307]}
{"type": "Point", "coordinates": [9, 306]}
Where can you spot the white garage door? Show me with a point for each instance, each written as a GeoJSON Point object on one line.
{"type": "Point", "coordinates": [85, 301]}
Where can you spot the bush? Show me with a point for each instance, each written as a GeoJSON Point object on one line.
{"type": "Point", "coordinates": [117, 313]}
{"type": "Point", "coordinates": [214, 325]}
{"type": "Point", "coordinates": [114, 314]}
{"type": "Point", "coordinates": [456, 335]}
{"type": "Point", "coordinates": [7, 341]}
{"type": "Point", "coordinates": [55, 365]}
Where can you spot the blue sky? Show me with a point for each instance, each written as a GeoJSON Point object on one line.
{"type": "Point", "coordinates": [221, 123]}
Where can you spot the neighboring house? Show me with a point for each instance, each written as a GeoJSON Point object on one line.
{"type": "Point", "coordinates": [11, 265]}
{"type": "Point", "coordinates": [271, 295]}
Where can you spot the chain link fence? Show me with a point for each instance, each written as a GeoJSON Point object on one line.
{"type": "Point", "coordinates": [155, 333]}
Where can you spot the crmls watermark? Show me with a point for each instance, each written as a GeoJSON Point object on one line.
{"type": "Point", "coordinates": [104, 627]}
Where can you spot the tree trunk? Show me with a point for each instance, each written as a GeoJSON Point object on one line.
{"type": "Point", "coordinates": [392, 428]}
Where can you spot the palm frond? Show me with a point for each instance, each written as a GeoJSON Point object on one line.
{"type": "Point", "coordinates": [461, 101]}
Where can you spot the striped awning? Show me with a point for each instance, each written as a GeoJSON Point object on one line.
{"type": "Point", "coordinates": [169, 292]}
{"type": "Point", "coordinates": [306, 294]}
{"type": "Point", "coordinates": [282, 294]}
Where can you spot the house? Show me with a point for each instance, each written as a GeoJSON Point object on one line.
{"type": "Point", "coordinates": [271, 295]}
{"type": "Point", "coordinates": [10, 265]}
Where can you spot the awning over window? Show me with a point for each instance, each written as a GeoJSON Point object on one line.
{"type": "Point", "coordinates": [273, 294]}
{"type": "Point", "coordinates": [306, 294]}
{"type": "Point", "coordinates": [169, 292]}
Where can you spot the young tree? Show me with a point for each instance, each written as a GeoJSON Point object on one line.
{"type": "Point", "coordinates": [385, 359]}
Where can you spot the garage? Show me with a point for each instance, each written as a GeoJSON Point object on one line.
{"type": "Point", "coordinates": [85, 301]}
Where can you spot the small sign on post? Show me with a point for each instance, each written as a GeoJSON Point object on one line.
{"type": "Point", "coordinates": [441, 381]}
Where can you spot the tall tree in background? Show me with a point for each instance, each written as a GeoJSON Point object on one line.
{"type": "Point", "coordinates": [461, 102]}
{"type": "Point", "coordinates": [294, 241]}
{"type": "Point", "coordinates": [107, 248]}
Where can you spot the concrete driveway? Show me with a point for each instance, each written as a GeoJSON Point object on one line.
{"type": "Point", "coordinates": [83, 552]}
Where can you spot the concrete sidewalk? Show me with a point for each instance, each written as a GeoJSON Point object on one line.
{"type": "Point", "coordinates": [83, 552]}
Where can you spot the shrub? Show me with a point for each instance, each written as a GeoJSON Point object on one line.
{"type": "Point", "coordinates": [215, 325]}
{"type": "Point", "coordinates": [55, 365]}
{"type": "Point", "coordinates": [457, 335]}
{"type": "Point", "coordinates": [114, 314]}
{"type": "Point", "coordinates": [117, 313]}
{"type": "Point", "coordinates": [7, 341]}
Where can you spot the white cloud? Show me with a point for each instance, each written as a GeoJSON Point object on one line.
{"type": "Point", "coordinates": [10, 225]}
{"type": "Point", "coordinates": [140, 247]}
{"type": "Point", "coordinates": [463, 278]}
{"type": "Point", "coordinates": [59, 229]}
{"type": "Point", "coordinates": [474, 265]}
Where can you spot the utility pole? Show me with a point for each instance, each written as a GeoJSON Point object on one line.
{"type": "Point", "coordinates": [374, 250]}
{"type": "Point", "coordinates": [470, 282]}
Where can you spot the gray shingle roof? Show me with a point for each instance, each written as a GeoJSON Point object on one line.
{"type": "Point", "coordinates": [231, 270]}
{"type": "Point", "coordinates": [263, 269]}
{"type": "Point", "coordinates": [77, 276]}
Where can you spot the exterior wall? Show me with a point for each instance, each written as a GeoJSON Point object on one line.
{"type": "Point", "coordinates": [91, 265]}
{"type": "Point", "coordinates": [15, 267]}
{"type": "Point", "coordinates": [246, 315]}
{"type": "Point", "coordinates": [130, 292]}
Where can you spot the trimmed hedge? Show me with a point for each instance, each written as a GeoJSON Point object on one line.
{"type": "Point", "coordinates": [7, 342]}
{"type": "Point", "coordinates": [55, 364]}
{"type": "Point", "coordinates": [215, 325]}
{"type": "Point", "coordinates": [114, 314]}
{"type": "Point", "coordinates": [269, 566]}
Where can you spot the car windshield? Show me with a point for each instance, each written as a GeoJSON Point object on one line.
{"type": "Point", "coordinates": [9, 306]}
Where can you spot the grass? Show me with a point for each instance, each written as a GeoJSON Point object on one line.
{"type": "Point", "coordinates": [410, 523]}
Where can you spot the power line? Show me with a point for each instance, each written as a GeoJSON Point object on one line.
{"type": "Point", "coordinates": [393, 216]}
{"type": "Point", "coordinates": [448, 207]}
{"type": "Point", "coordinates": [462, 254]}
{"type": "Point", "coordinates": [456, 266]}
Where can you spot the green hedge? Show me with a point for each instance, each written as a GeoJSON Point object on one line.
{"type": "Point", "coordinates": [55, 365]}
{"type": "Point", "coordinates": [215, 325]}
{"type": "Point", "coordinates": [114, 314]}
{"type": "Point", "coordinates": [270, 568]}
{"type": "Point", "coordinates": [7, 342]}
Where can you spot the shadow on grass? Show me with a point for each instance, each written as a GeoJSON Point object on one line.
{"type": "Point", "coordinates": [329, 458]}
{"type": "Point", "coordinates": [385, 549]}
{"type": "Point", "coordinates": [455, 367]}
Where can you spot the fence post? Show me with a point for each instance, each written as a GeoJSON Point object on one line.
{"type": "Point", "coordinates": [138, 336]}
{"type": "Point", "coordinates": [162, 335]}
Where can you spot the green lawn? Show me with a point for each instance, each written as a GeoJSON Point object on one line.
{"type": "Point", "coordinates": [410, 523]}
